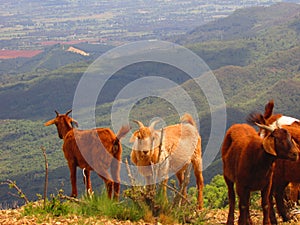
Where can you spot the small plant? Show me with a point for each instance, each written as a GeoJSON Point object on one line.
{"type": "Point", "coordinates": [215, 193]}
{"type": "Point", "coordinates": [102, 205]}
{"type": "Point", "coordinates": [188, 213]}
{"type": "Point", "coordinates": [12, 184]}
{"type": "Point", "coordinates": [55, 206]}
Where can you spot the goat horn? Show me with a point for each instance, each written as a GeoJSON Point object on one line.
{"type": "Point", "coordinates": [141, 125]}
{"type": "Point", "coordinates": [151, 127]}
{"type": "Point", "coordinates": [265, 127]}
{"type": "Point", "coordinates": [57, 114]}
{"type": "Point", "coordinates": [67, 113]}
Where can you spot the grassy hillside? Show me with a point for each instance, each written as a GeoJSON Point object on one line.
{"type": "Point", "coordinates": [251, 66]}
{"type": "Point", "coordinates": [246, 23]}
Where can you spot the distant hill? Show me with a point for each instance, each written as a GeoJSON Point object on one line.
{"type": "Point", "coordinates": [247, 23]}
{"type": "Point", "coordinates": [52, 57]}
{"type": "Point", "coordinates": [255, 59]}
{"type": "Point", "coordinates": [246, 36]}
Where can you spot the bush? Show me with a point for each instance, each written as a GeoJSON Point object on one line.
{"type": "Point", "coordinates": [98, 205]}
{"type": "Point", "coordinates": [102, 205]}
{"type": "Point", "coordinates": [215, 193]}
{"type": "Point", "coordinates": [54, 206]}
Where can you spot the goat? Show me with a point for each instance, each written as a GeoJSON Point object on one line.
{"type": "Point", "coordinates": [292, 192]}
{"type": "Point", "coordinates": [175, 147]}
{"type": "Point", "coordinates": [273, 120]}
{"type": "Point", "coordinates": [248, 163]}
{"type": "Point", "coordinates": [284, 171]}
{"type": "Point", "coordinates": [97, 149]}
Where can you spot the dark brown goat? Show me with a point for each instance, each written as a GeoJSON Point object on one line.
{"type": "Point", "coordinates": [248, 162]}
{"type": "Point", "coordinates": [274, 120]}
{"type": "Point", "coordinates": [98, 149]}
{"type": "Point", "coordinates": [292, 193]}
{"type": "Point", "coordinates": [284, 171]}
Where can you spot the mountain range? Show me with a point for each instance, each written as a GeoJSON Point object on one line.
{"type": "Point", "coordinates": [254, 54]}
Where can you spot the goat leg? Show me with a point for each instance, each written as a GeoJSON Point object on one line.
{"type": "Point", "coordinates": [265, 204]}
{"type": "Point", "coordinates": [88, 183]}
{"type": "Point", "coordinates": [72, 168]}
{"type": "Point", "coordinates": [108, 183]}
{"type": "Point", "coordinates": [115, 173]}
{"type": "Point", "coordinates": [231, 197]}
{"type": "Point", "coordinates": [272, 210]}
{"type": "Point", "coordinates": [282, 210]}
{"type": "Point", "coordinates": [244, 200]}
{"type": "Point", "coordinates": [197, 164]}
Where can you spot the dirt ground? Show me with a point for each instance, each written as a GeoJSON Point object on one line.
{"type": "Point", "coordinates": [212, 217]}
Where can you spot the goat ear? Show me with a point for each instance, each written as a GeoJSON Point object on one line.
{"type": "Point", "coordinates": [269, 145]}
{"type": "Point", "coordinates": [74, 123]}
{"type": "Point", "coordinates": [50, 122]}
{"type": "Point", "coordinates": [133, 137]}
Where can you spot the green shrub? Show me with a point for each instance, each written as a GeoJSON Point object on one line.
{"type": "Point", "coordinates": [97, 205]}
{"type": "Point", "coordinates": [215, 193]}
{"type": "Point", "coordinates": [102, 205]}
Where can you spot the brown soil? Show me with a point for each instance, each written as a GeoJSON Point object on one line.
{"type": "Point", "coordinates": [213, 217]}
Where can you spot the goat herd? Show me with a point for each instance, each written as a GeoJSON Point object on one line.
{"type": "Point", "coordinates": [266, 160]}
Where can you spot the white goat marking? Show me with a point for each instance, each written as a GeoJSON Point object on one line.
{"type": "Point", "coordinates": [84, 177]}
{"type": "Point", "coordinates": [284, 120]}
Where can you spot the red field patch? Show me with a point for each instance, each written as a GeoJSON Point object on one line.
{"type": "Point", "coordinates": [11, 54]}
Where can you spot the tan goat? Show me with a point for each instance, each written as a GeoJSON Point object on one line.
{"type": "Point", "coordinates": [171, 150]}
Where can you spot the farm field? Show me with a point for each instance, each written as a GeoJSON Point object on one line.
{"type": "Point", "coordinates": [29, 24]}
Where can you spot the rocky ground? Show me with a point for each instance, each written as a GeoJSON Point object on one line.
{"type": "Point", "coordinates": [220, 217]}
{"type": "Point", "coordinates": [213, 217]}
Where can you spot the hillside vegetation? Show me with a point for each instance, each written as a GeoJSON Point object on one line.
{"type": "Point", "coordinates": [254, 54]}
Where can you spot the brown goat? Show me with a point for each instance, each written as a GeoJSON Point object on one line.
{"type": "Point", "coordinates": [248, 162]}
{"type": "Point", "coordinates": [284, 171]}
{"type": "Point", "coordinates": [274, 120]}
{"type": "Point", "coordinates": [98, 149]}
{"type": "Point", "coordinates": [174, 148]}
{"type": "Point", "coordinates": [292, 192]}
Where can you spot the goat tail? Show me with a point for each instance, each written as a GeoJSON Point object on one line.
{"type": "Point", "coordinates": [258, 117]}
{"type": "Point", "coordinates": [187, 118]}
{"type": "Point", "coordinates": [269, 109]}
{"type": "Point", "coordinates": [226, 144]}
{"type": "Point", "coordinates": [121, 133]}
{"type": "Point", "coordinates": [254, 118]}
